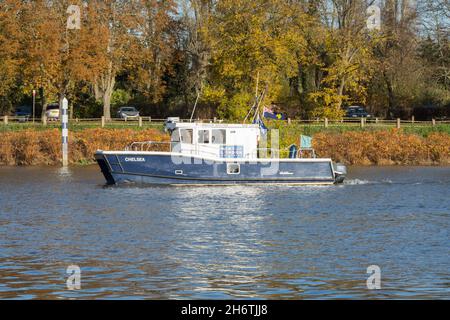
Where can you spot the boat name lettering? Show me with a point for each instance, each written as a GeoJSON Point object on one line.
{"type": "Point", "coordinates": [134, 159]}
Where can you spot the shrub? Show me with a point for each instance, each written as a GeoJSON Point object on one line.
{"type": "Point", "coordinates": [382, 147]}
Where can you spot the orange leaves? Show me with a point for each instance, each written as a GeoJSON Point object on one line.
{"type": "Point", "coordinates": [384, 148]}
{"type": "Point", "coordinates": [391, 147]}
{"type": "Point", "coordinates": [30, 147]}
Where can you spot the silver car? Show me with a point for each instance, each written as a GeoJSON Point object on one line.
{"type": "Point", "coordinates": [52, 112]}
{"type": "Point", "coordinates": [127, 113]}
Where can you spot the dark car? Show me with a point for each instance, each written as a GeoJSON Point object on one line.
{"type": "Point", "coordinates": [127, 113]}
{"type": "Point", "coordinates": [23, 113]}
{"type": "Point", "coordinates": [356, 112]}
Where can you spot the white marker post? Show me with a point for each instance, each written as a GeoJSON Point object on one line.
{"type": "Point", "coordinates": [65, 133]}
{"type": "Point", "coordinates": [34, 104]}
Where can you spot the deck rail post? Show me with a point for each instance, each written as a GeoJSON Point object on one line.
{"type": "Point", "coordinates": [140, 122]}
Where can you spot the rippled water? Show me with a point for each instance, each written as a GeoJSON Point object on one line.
{"type": "Point", "coordinates": [285, 242]}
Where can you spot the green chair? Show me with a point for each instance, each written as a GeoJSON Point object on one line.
{"type": "Point", "coordinates": [306, 146]}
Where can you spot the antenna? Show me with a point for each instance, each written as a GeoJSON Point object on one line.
{"type": "Point", "coordinates": [257, 83]}
{"type": "Point", "coordinates": [261, 98]}
{"type": "Point", "coordinates": [253, 106]}
{"type": "Point", "coordinates": [195, 106]}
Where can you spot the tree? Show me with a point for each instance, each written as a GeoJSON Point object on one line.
{"type": "Point", "coordinates": [193, 49]}
{"type": "Point", "coordinates": [116, 22]}
{"type": "Point", "coordinates": [10, 59]}
{"type": "Point", "coordinates": [348, 50]}
{"type": "Point", "coordinates": [252, 42]}
{"type": "Point", "coordinates": [53, 54]}
{"type": "Point", "coordinates": [313, 56]}
{"type": "Point", "coordinates": [40, 49]}
{"type": "Point", "coordinates": [400, 72]}
{"type": "Point", "coordinates": [155, 40]}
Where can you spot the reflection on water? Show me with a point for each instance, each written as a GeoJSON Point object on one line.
{"type": "Point", "coordinates": [284, 242]}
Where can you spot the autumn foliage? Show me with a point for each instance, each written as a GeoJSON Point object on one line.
{"type": "Point", "coordinates": [314, 57]}
{"type": "Point", "coordinates": [31, 147]}
{"type": "Point", "coordinates": [392, 147]}
{"type": "Point", "coordinates": [384, 148]}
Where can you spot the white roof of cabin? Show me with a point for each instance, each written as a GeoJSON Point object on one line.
{"type": "Point", "coordinates": [200, 125]}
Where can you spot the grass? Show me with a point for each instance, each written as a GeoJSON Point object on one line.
{"type": "Point", "coordinates": [294, 129]}
{"type": "Point", "coordinates": [73, 126]}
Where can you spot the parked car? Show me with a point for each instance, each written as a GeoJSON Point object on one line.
{"type": "Point", "coordinates": [23, 113]}
{"type": "Point", "coordinates": [356, 112]}
{"type": "Point", "coordinates": [127, 113]}
{"type": "Point", "coordinates": [170, 122]}
{"type": "Point", "coordinates": [52, 112]}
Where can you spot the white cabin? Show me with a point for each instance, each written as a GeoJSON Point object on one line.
{"type": "Point", "coordinates": [238, 141]}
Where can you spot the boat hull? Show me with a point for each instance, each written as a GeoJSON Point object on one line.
{"type": "Point", "coordinates": [163, 168]}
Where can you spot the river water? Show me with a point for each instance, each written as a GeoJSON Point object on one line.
{"type": "Point", "coordinates": [242, 242]}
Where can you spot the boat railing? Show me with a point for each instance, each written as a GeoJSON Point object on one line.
{"type": "Point", "coordinates": [274, 153]}
{"type": "Point", "coordinates": [149, 146]}
{"type": "Point", "coordinates": [266, 153]}
{"type": "Point", "coordinates": [207, 149]}
{"type": "Point", "coordinates": [271, 153]}
{"type": "Point", "coordinates": [200, 152]}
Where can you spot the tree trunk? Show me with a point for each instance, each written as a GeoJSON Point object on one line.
{"type": "Point", "coordinates": [107, 106]}
{"type": "Point", "coordinates": [108, 91]}
{"type": "Point", "coordinates": [61, 98]}
{"type": "Point", "coordinates": [341, 92]}
{"type": "Point", "coordinates": [104, 88]}
{"type": "Point", "coordinates": [97, 92]}
{"type": "Point", "coordinates": [391, 96]}
{"type": "Point", "coordinates": [391, 99]}
{"type": "Point", "coordinates": [43, 102]}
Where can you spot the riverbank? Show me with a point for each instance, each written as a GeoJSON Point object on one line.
{"type": "Point", "coordinates": [374, 147]}
{"type": "Point", "coordinates": [43, 147]}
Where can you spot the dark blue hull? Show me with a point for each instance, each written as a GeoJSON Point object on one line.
{"type": "Point", "coordinates": [164, 168]}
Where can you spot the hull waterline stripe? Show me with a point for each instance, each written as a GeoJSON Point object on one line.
{"type": "Point", "coordinates": [325, 180]}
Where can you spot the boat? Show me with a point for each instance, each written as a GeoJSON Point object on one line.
{"type": "Point", "coordinates": [216, 154]}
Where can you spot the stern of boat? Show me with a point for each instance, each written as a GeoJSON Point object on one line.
{"type": "Point", "coordinates": [340, 172]}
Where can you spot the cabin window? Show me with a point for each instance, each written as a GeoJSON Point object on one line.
{"type": "Point", "coordinates": [175, 136]}
{"type": "Point", "coordinates": [186, 135]}
{"type": "Point", "coordinates": [218, 136]}
{"type": "Point", "coordinates": [203, 136]}
{"type": "Point", "coordinates": [233, 168]}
